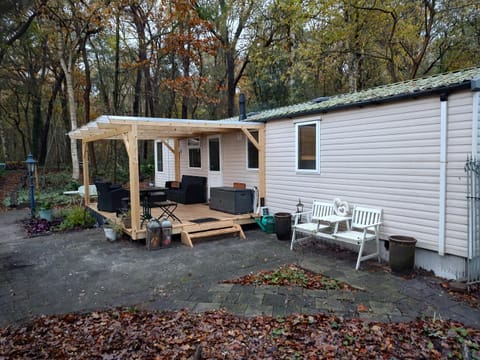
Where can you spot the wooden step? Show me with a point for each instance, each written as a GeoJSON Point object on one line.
{"type": "Point", "coordinates": [211, 229]}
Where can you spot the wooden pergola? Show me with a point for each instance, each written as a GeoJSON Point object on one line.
{"type": "Point", "coordinates": [130, 129]}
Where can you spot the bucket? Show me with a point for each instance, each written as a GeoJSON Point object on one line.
{"type": "Point", "coordinates": [283, 225]}
{"type": "Point", "coordinates": [45, 214]}
{"type": "Point", "coordinates": [402, 254]}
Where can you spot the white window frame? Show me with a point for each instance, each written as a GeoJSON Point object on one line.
{"type": "Point", "coordinates": [246, 151]}
{"type": "Point", "coordinates": [317, 147]}
{"type": "Point", "coordinates": [191, 146]}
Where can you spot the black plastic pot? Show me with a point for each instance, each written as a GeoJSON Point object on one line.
{"type": "Point", "coordinates": [283, 225]}
{"type": "Point", "coordinates": [402, 254]}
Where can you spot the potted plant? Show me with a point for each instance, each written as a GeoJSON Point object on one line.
{"type": "Point", "coordinates": [45, 210]}
{"type": "Point", "coordinates": [112, 230]}
{"type": "Point", "coordinates": [127, 219]}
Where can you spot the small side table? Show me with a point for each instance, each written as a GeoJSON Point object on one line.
{"type": "Point", "coordinates": [168, 208]}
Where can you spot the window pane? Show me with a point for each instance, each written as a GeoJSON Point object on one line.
{"type": "Point", "coordinates": [252, 152]}
{"type": "Point", "coordinates": [194, 158]}
{"type": "Point", "coordinates": [159, 157]}
{"type": "Point", "coordinates": [214, 154]}
{"type": "Point", "coordinates": [307, 147]}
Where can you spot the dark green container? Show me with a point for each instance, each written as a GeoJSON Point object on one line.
{"type": "Point", "coordinates": [283, 225]}
{"type": "Point", "coordinates": [402, 254]}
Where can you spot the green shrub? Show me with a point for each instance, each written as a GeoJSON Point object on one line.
{"type": "Point", "coordinates": [76, 218]}
{"type": "Point", "coordinates": [57, 181]}
{"type": "Point", "coordinates": [147, 169]}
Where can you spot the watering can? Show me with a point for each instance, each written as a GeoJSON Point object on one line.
{"type": "Point", "coordinates": [266, 223]}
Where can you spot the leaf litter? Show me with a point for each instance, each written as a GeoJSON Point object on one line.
{"type": "Point", "coordinates": [292, 275]}
{"type": "Point", "coordinates": [127, 334]}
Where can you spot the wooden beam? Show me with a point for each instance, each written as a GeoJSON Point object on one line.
{"type": "Point", "coordinates": [98, 135]}
{"type": "Point", "coordinates": [126, 143]}
{"type": "Point", "coordinates": [185, 123]}
{"type": "Point", "coordinates": [251, 138]}
{"type": "Point", "coordinates": [167, 145]}
{"type": "Point", "coordinates": [176, 154]}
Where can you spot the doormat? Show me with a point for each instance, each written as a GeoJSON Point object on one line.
{"type": "Point", "coordinates": [203, 220]}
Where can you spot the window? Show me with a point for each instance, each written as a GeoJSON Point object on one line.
{"type": "Point", "coordinates": [252, 152]}
{"type": "Point", "coordinates": [214, 153]}
{"type": "Point", "coordinates": [307, 146]}
{"type": "Point", "coordinates": [194, 155]}
{"type": "Point", "coordinates": [159, 156]}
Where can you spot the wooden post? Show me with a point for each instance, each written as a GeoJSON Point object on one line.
{"type": "Point", "coordinates": [132, 149]}
{"type": "Point", "coordinates": [261, 163]}
{"type": "Point", "coordinates": [86, 175]}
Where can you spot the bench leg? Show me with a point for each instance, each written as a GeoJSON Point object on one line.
{"type": "Point", "coordinates": [370, 256]}
{"type": "Point", "coordinates": [360, 252]}
{"type": "Point", "coordinates": [294, 232]}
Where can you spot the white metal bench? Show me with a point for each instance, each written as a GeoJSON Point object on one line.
{"type": "Point", "coordinates": [365, 226]}
{"type": "Point", "coordinates": [313, 225]}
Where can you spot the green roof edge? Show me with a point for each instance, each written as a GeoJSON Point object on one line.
{"type": "Point", "coordinates": [425, 86]}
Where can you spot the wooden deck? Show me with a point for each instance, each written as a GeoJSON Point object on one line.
{"type": "Point", "coordinates": [186, 213]}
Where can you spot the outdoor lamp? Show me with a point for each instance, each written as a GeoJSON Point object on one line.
{"type": "Point", "coordinates": [299, 206]}
{"type": "Point", "coordinates": [31, 163]}
{"type": "Point", "coordinates": [299, 209]}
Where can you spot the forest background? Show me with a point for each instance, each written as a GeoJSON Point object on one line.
{"type": "Point", "coordinates": [65, 62]}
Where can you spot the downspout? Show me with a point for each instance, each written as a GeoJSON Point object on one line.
{"type": "Point", "coordinates": [442, 208]}
{"type": "Point", "coordinates": [475, 115]}
{"type": "Point", "coordinates": [242, 107]}
{"type": "Point", "coordinates": [475, 123]}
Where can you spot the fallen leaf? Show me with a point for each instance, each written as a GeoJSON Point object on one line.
{"type": "Point", "coordinates": [362, 308]}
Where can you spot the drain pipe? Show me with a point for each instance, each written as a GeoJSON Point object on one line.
{"type": "Point", "coordinates": [442, 209]}
{"type": "Point", "coordinates": [475, 115]}
{"type": "Point", "coordinates": [242, 108]}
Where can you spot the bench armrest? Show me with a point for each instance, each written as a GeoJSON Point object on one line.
{"type": "Point", "coordinates": [296, 216]}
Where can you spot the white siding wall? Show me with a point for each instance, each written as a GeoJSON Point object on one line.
{"type": "Point", "coordinates": [381, 156]}
{"type": "Point", "coordinates": [234, 160]}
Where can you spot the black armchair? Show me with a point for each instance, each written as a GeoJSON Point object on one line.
{"type": "Point", "coordinates": [110, 196]}
{"type": "Point", "coordinates": [192, 190]}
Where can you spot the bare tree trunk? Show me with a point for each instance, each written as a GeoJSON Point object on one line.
{"type": "Point", "coordinates": [3, 155]}
{"type": "Point", "coordinates": [48, 118]}
{"type": "Point", "coordinates": [86, 100]}
{"type": "Point", "coordinates": [116, 86]}
{"type": "Point", "coordinates": [72, 107]}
